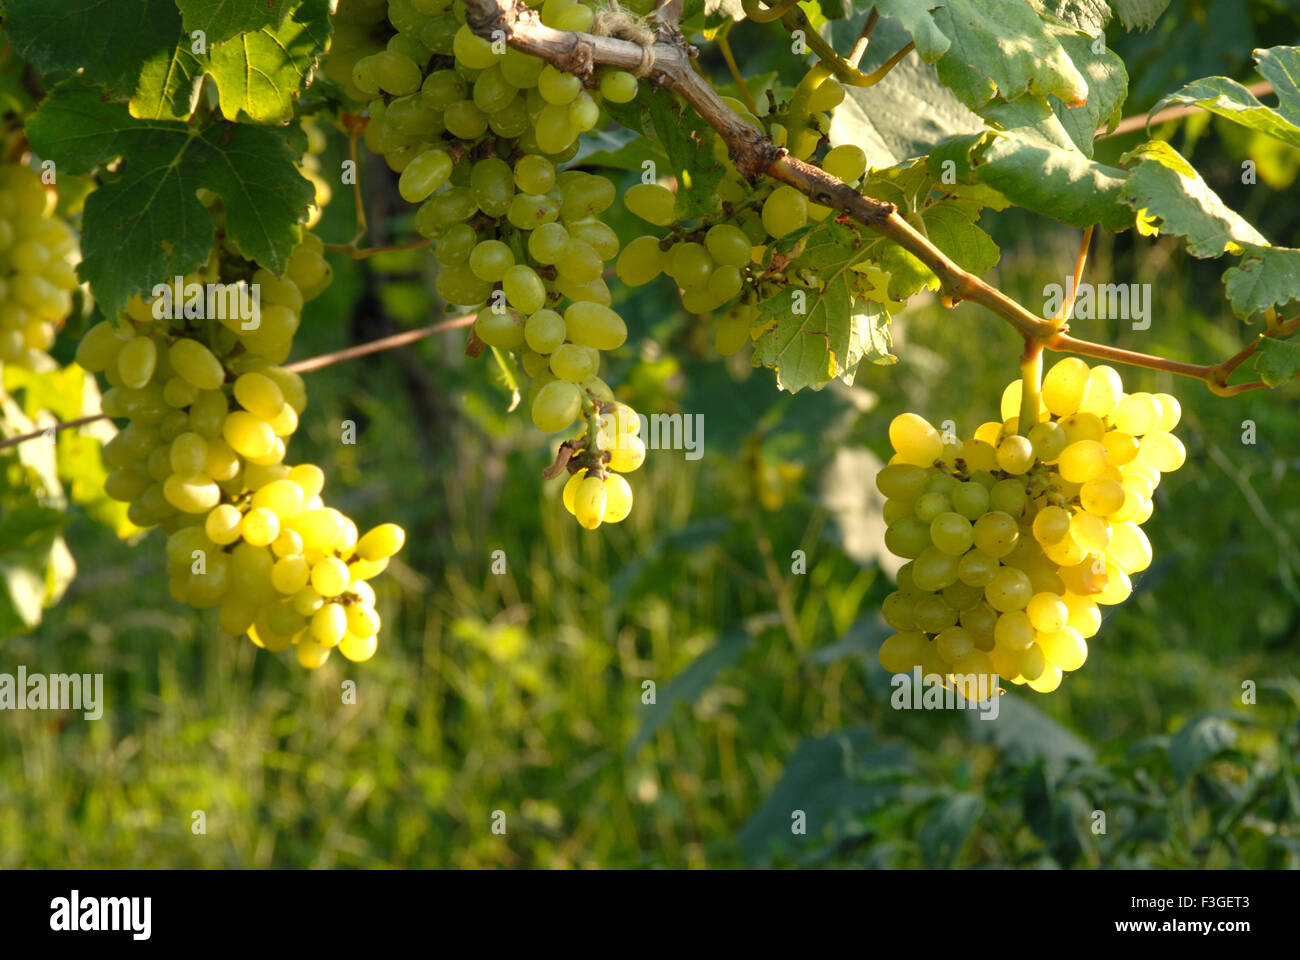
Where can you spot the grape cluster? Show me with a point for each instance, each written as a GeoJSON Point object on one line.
{"type": "Point", "coordinates": [38, 255]}
{"type": "Point", "coordinates": [726, 260]}
{"type": "Point", "coordinates": [1013, 540]}
{"type": "Point", "coordinates": [477, 135]}
{"type": "Point", "coordinates": [209, 410]}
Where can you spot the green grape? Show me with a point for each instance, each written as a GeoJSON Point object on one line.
{"type": "Point", "coordinates": [492, 186]}
{"type": "Point", "coordinates": [584, 196]}
{"type": "Point", "coordinates": [652, 203]}
{"type": "Point", "coordinates": [971, 500]}
{"type": "Point", "coordinates": [473, 51]}
{"type": "Point", "coordinates": [933, 569]}
{"type": "Point", "coordinates": [915, 440]}
{"type": "Point", "coordinates": [556, 86]}
{"type": "Point", "coordinates": [951, 533]}
{"type": "Point", "coordinates": [443, 88]}
{"type": "Point", "coordinates": [728, 245]}
{"type": "Point", "coordinates": [784, 211]}
{"type": "Point", "coordinates": [523, 288]}
{"type": "Point", "coordinates": [395, 73]}
{"type": "Point", "coordinates": [462, 287]}
{"type": "Point", "coordinates": [424, 174]}
{"type": "Point", "coordinates": [135, 362]}
{"type": "Point", "coordinates": [996, 534]}
{"type": "Point", "coordinates": [455, 245]}
{"type": "Point", "coordinates": [618, 86]}
{"type": "Point", "coordinates": [544, 331]}
{"type": "Point", "coordinates": [196, 363]}
{"type": "Point", "coordinates": [848, 162]}
{"type": "Point", "coordinates": [901, 481]}
{"type": "Point", "coordinates": [932, 613]}
{"type": "Point", "coordinates": [899, 611]}
{"type": "Point", "coordinates": [590, 502]}
{"type": "Point", "coordinates": [596, 234]}
{"type": "Point", "coordinates": [534, 173]}
{"type": "Point", "coordinates": [928, 506]}
{"type": "Point", "coordinates": [618, 499]}
{"type": "Point", "coordinates": [1009, 590]}
{"type": "Point", "coordinates": [464, 120]}
{"type": "Point", "coordinates": [490, 259]}
{"type": "Point", "coordinates": [594, 325]}
{"type": "Point", "coordinates": [556, 405]}
{"type": "Point", "coordinates": [690, 265]}
{"type": "Point", "coordinates": [499, 328]}
{"type": "Point", "coordinates": [641, 261]}
{"type": "Point", "coordinates": [903, 652]}
{"type": "Point", "coordinates": [574, 363]}
{"type": "Point", "coordinates": [1008, 497]}
{"type": "Point", "coordinates": [492, 92]}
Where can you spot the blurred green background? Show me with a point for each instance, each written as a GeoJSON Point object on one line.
{"type": "Point", "coordinates": [523, 692]}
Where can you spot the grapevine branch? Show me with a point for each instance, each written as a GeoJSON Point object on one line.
{"type": "Point", "coordinates": [300, 366]}
{"type": "Point", "coordinates": [755, 155]}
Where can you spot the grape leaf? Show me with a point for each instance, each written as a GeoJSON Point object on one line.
{"type": "Point", "coordinates": [145, 225]}
{"type": "Point", "coordinates": [1264, 277]}
{"type": "Point", "coordinates": [688, 141]}
{"type": "Point", "coordinates": [1277, 361]}
{"type": "Point", "coordinates": [816, 330]}
{"type": "Point", "coordinates": [258, 74]}
{"type": "Point", "coordinates": [1280, 66]}
{"type": "Point", "coordinates": [221, 19]}
{"type": "Point", "coordinates": [103, 40]}
{"type": "Point", "coordinates": [1142, 14]}
{"type": "Point", "coordinates": [1089, 15]}
{"type": "Point", "coordinates": [1166, 186]}
{"type": "Point", "coordinates": [1230, 100]}
{"type": "Point", "coordinates": [1107, 87]}
{"type": "Point", "coordinates": [989, 48]}
{"type": "Point", "coordinates": [1037, 167]}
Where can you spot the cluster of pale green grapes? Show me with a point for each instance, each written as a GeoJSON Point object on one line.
{"type": "Point", "coordinates": [721, 261]}
{"type": "Point", "coordinates": [210, 410]}
{"type": "Point", "coordinates": [1012, 540]}
{"type": "Point", "coordinates": [477, 135]}
{"type": "Point", "coordinates": [38, 256]}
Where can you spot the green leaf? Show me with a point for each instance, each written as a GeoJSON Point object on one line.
{"type": "Point", "coordinates": [1089, 15]}
{"type": "Point", "coordinates": [1166, 186]}
{"type": "Point", "coordinates": [258, 74]}
{"type": "Point", "coordinates": [1039, 169]}
{"type": "Point", "coordinates": [1264, 277]}
{"type": "Point", "coordinates": [947, 828]}
{"type": "Point", "coordinates": [1277, 361]}
{"type": "Point", "coordinates": [146, 225]}
{"type": "Point", "coordinates": [1025, 734]}
{"type": "Point", "coordinates": [814, 336]}
{"type": "Point", "coordinates": [827, 777]}
{"type": "Point", "coordinates": [1053, 815]}
{"type": "Point", "coordinates": [989, 48]}
{"type": "Point", "coordinates": [688, 142]}
{"type": "Point", "coordinates": [168, 87]}
{"type": "Point", "coordinates": [29, 541]}
{"type": "Point", "coordinates": [222, 19]}
{"type": "Point", "coordinates": [1107, 87]}
{"type": "Point", "coordinates": [1230, 100]}
{"type": "Point", "coordinates": [618, 149]}
{"type": "Point", "coordinates": [1198, 741]}
{"type": "Point", "coordinates": [1280, 66]}
{"type": "Point", "coordinates": [689, 684]}
{"type": "Point", "coordinates": [104, 40]}
{"type": "Point", "coordinates": [1139, 14]}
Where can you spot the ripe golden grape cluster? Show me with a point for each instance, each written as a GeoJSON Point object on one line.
{"type": "Point", "coordinates": [1014, 540]}
{"type": "Point", "coordinates": [723, 261]}
{"type": "Point", "coordinates": [477, 132]}
{"type": "Point", "coordinates": [38, 257]}
{"type": "Point", "coordinates": [209, 410]}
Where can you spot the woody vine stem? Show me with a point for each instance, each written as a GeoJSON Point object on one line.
{"type": "Point", "coordinates": [754, 155]}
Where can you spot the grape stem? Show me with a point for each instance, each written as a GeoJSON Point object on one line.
{"type": "Point", "coordinates": [736, 75]}
{"type": "Point", "coordinates": [1031, 386]}
{"type": "Point", "coordinates": [301, 366]}
{"type": "Point", "coordinates": [754, 155]}
{"type": "Point", "coordinates": [351, 249]}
